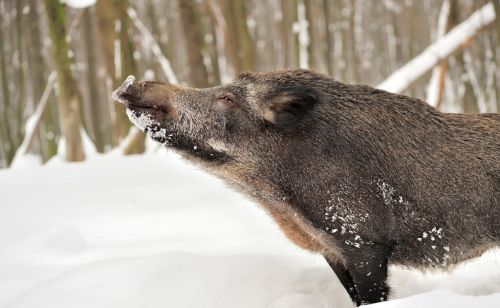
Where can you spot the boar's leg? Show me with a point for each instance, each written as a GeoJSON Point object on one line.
{"type": "Point", "coordinates": [368, 268]}
{"type": "Point", "coordinates": [345, 279]}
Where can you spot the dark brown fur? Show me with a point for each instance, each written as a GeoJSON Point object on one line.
{"type": "Point", "coordinates": [362, 176]}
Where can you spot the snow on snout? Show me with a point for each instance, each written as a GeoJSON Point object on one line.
{"type": "Point", "coordinates": [116, 95]}
{"type": "Point", "coordinates": [128, 81]}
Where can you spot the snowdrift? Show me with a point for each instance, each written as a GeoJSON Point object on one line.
{"type": "Point", "coordinates": [151, 231]}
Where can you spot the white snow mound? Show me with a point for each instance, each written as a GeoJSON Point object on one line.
{"type": "Point", "coordinates": [151, 231]}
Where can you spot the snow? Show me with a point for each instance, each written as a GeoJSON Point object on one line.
{"type": "Point", "coordinates": [128, 82]}
{"type": "Point", "coordinates": [441, 49]}
{"type": "Point", "coordinates": [141, 120]}
{"type": "Point", "coordinates": [151, 231]}
{"type": "Point", "coordinates": [79, 4]}
{"type": "Point", "coordinates": [26, 160]}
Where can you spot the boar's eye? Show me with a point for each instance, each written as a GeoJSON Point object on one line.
{"type": "Point", "coordinates": [226, 100]}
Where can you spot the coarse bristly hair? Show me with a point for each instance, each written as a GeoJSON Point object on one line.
{"type": "Point", "coordinates": [362, 176]}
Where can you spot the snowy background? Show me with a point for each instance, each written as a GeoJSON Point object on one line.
{"type": "Point", "coordinates": [151, 231]}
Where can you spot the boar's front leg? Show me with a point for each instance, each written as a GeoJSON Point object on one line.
{"type": "Point", "coordinates": [345, 279]}
{"type": "Point", "coordinates": [367, 266]}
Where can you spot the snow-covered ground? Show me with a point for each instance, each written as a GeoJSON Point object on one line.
{"type": "Point", "coordinates": [151, 231]}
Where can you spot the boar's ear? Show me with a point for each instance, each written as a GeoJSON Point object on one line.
{"type": "Point", "coordinates": [289, 105]}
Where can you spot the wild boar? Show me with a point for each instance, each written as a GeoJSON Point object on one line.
{"type": "Point", "coordinates": [364, 177]}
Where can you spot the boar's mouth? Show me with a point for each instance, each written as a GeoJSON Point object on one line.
{"type": "Point", "coordinates": [156, 122]}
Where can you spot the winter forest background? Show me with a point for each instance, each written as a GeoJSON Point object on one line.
{"type": "Point", "coordinates": [59, 63]}
{"type": "Point", "coordinates": [149, 230]}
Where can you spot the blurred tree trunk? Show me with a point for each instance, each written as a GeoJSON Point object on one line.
{"type": "Point", "coordinates": [3, 162]}
{"type": "Point", "coordinates": [289, 34]}
{"type": "Point", "coordinates": [6, 112]}
{"type": "Point", "coordinates": [343, 63]}
{"type": "Point", "coordinates": [215, 78]}
{"type": "Point", "coordinates": [314, 40]}
{"type": "Point", "coordinates": [328, 22]}
{"type": "Point", "coordinates": [136, 142]}
{"type": "Point", "coordinates": [68, 98]}
{"type": "Point", "coordinates": [469, 99]}
{"type": "Point", "coordinates": [111, 19]}
{"type": "Point", "coordinates": [107, 19]}
{"type": "Point", "coordinates": [239, 45]}
{"type": "Point", "coordinates": [220, 43]}
{"type": "Point", "coordinates": [96, 117]}
{"type": "Point", "coordinates": [191, 26]}
{"type": "Point", "coordinates": [116, 43]}
{"type": "Point", "coordinates": [353, 55]}
{"type": "Point", "coordinates": [496, 4]}
{"type": "Point", "coordinates": [152, 10]}
{"type": "Point", "coordinates": [20, 74]}
{"type": "Point", "coordinates": [47, 130]}
{"type": "Point", "coordinates": [442, 69]}
{"type": "Point", "coordinates": [128, 67]}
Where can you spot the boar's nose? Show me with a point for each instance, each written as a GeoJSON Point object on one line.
{"type": "Point", "coordinates": [145, 94]}
{"type": "Point", "coordinates": [131, 92]}
{"type": "Point", "coordinates": [128, 90]}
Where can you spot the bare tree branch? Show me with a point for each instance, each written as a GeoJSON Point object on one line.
{"type": "Point", "coordinates": [402, 78]}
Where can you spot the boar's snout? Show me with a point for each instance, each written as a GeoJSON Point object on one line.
{"type": "Point", "coordinates": [144, 94]}
{"type": "Point", "coordinates": [127, 92]}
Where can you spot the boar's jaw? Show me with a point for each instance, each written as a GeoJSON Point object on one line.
{"type": "Point", "coordinates": [199, 152]}
{"type": "Point", "coordinates": [161, 133]}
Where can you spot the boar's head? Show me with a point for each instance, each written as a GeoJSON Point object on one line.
{"type": "Point", "coordinates": [256, 115]}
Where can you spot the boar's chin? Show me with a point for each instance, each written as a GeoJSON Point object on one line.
{"type": "Point", "coordinates": [151, 122]}
{"type": "Point", "coordinates": [154, 125]}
